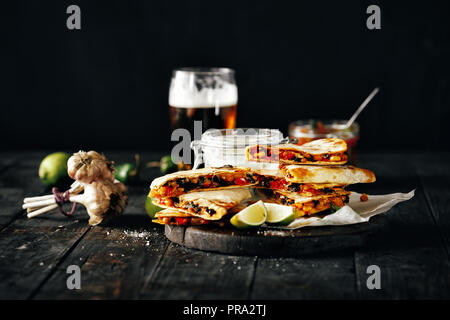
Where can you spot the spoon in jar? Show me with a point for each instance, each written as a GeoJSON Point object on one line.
{"type": "Point", "coordinates": [358, 111]}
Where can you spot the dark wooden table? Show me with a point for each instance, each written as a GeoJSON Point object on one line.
{"type": "Point", "coordinates": [132, 259]}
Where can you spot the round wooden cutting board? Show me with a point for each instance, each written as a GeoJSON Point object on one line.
{"type": "Point", "coordinates": [274, 242]}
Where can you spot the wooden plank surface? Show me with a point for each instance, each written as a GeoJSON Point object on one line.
{"type": "Point", "coordinates": [35, 248]}
{"type": "Point", "coordinates": [434, 178]}
{"type": "Point", "coordinates": [410, 253]}
{"type": "Point", "coordinates": [132, 259]}
{"type": "Point", "coordinates": [19, 179]}
{"type": "Point", "coordinates": [274, 242]}
{"type": "Point", "coordinates": [114, 259]}
{"type": "Point", "coordinates": [192, 274]}
{"type": "Point", "coordinates": [329, 276]}
{"type": "Point", "coordinates": [114, 263]}
{"type": "Point", "coordinates": [31, 251]}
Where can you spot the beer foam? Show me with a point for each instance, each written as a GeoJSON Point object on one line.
{"type": "Point", "coordinates": [187, 95]}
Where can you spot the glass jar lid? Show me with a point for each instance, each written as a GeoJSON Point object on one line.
{"type": "Point", "coordinates": [239, 137]}
{"type": "Point", "coordinates": [227, 146]}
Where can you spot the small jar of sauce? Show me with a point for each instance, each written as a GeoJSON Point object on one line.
{"type": "Point", "coordinates": [303, 131]}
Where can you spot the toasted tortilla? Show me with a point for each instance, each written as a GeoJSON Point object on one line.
{"type": "Point", "coordinates": [209, 205]}
{"type": "Point", "coordinates": [302, 199]}
{"type": "Point", "coordinates": [192, 221]}
{"type": "Point", "coordinates": [275, 180]}
{"type": "Point", "coordinates": [172, 213]}
{"type": "Point", "coordinates": [329, 151]}
{"type": "Point", "coordinates": [332, 174]}
{"type": "Point", "coordinates": [167, 186]}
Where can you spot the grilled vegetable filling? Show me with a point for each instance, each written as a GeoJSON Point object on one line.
{"type": "Point", "coordinates": [183, 185]}
{"type": "Point", "coordinates": [306, 157]}
{"type": "Point", "coordinates": [263, 153]}
{"type": "Point", "coordinates": [182, 221]}
{"type": "Point", "coordinates": [279, 183]}
{"type": "Point", "coordinates": [314, 206]}
{"type": "Point", "coordinates": [191, 207]}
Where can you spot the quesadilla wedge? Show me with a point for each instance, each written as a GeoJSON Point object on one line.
{"type": "Point", "coordinates": [327, 151]}
{"type": "Point", "coordinates": [274, 179]}
{"type": "Point", "coordinates": [179, 218]}
{"type": "Point", "coordinates": [209, 205]}
{"type": "Point", "coordinates": [307, 206]}
{"type": "Point", "coordinates": [331, 174]}
{"type": "Point", "coordinates": [177, 183]}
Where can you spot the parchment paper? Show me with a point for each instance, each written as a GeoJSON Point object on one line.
{"type": "Point", "coordinates": [356, 211]}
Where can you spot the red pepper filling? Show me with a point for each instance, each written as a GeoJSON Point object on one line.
{"type": "Point", "coordinates": [182, 221]}
{"type": "Point", "coordinates": [288, 155]}
{"type": "Point", "coordinates": [240, 181]}
{"type": "Point", "coordinates": [277, 184]}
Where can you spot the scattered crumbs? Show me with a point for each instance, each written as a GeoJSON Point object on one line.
{"type": "Point", "coordinates": [81, 259]}
{"type": "Point", "coordinates": [123, 255]}
{"type": "Point", "coordinates": [239, 267]}
{"type": "Point", "coordinates": [136, 234]}
{"type": "Point", "coordinates": [274, 233]}
{"type": "Point", "coordinates": [111, 254]}
{"type": "Point", "coordinates": [60, 226]}
{"type": "Point", "coordinates": [24, 246]}
{"type": "Point", "coordinates": [41, 263]}
{"type": "Point", "coordinates": [187, 260]}
{"type": "Point", "coordinates": [147, 243]}
{"type": "Point", "coordinates": [234, 262]}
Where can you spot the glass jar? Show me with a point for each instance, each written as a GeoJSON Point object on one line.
{"type": "Point", "coordinates": [220, 147]}
{"type": "Point", "coordinates": [303, 131]}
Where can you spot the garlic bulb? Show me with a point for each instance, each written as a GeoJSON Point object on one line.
{"type": "Point", "coordinates": [87, 167]}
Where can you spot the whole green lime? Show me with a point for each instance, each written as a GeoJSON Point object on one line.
{"type": "Point", "coordinates": [151, 208]}
{"type": "Point", "coordinates": [126, 172]}
{"type": "Point", "coordinates": [167, 165]}
{"type": "Point", "coordinates": [53, 169]}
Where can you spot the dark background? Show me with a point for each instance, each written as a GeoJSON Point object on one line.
{"type": "Point", "coordinates": [106, 86]}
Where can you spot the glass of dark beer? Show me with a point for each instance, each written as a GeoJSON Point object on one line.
{"type": "Point", "coordinates": [208, 95]}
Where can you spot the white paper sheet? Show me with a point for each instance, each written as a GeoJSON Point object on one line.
{"type": "Point", "coordinates": [356, 211]}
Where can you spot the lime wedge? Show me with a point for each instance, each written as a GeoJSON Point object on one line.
{"type": "Point", "coordinates": [252, 216]}
{"type": "Point", "coordinates": [279, 214]}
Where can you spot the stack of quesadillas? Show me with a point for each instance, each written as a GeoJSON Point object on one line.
{"type": "Point", "coordinates": [201, 196]}
{"type": "Point", "coordinates": [310, 178]}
